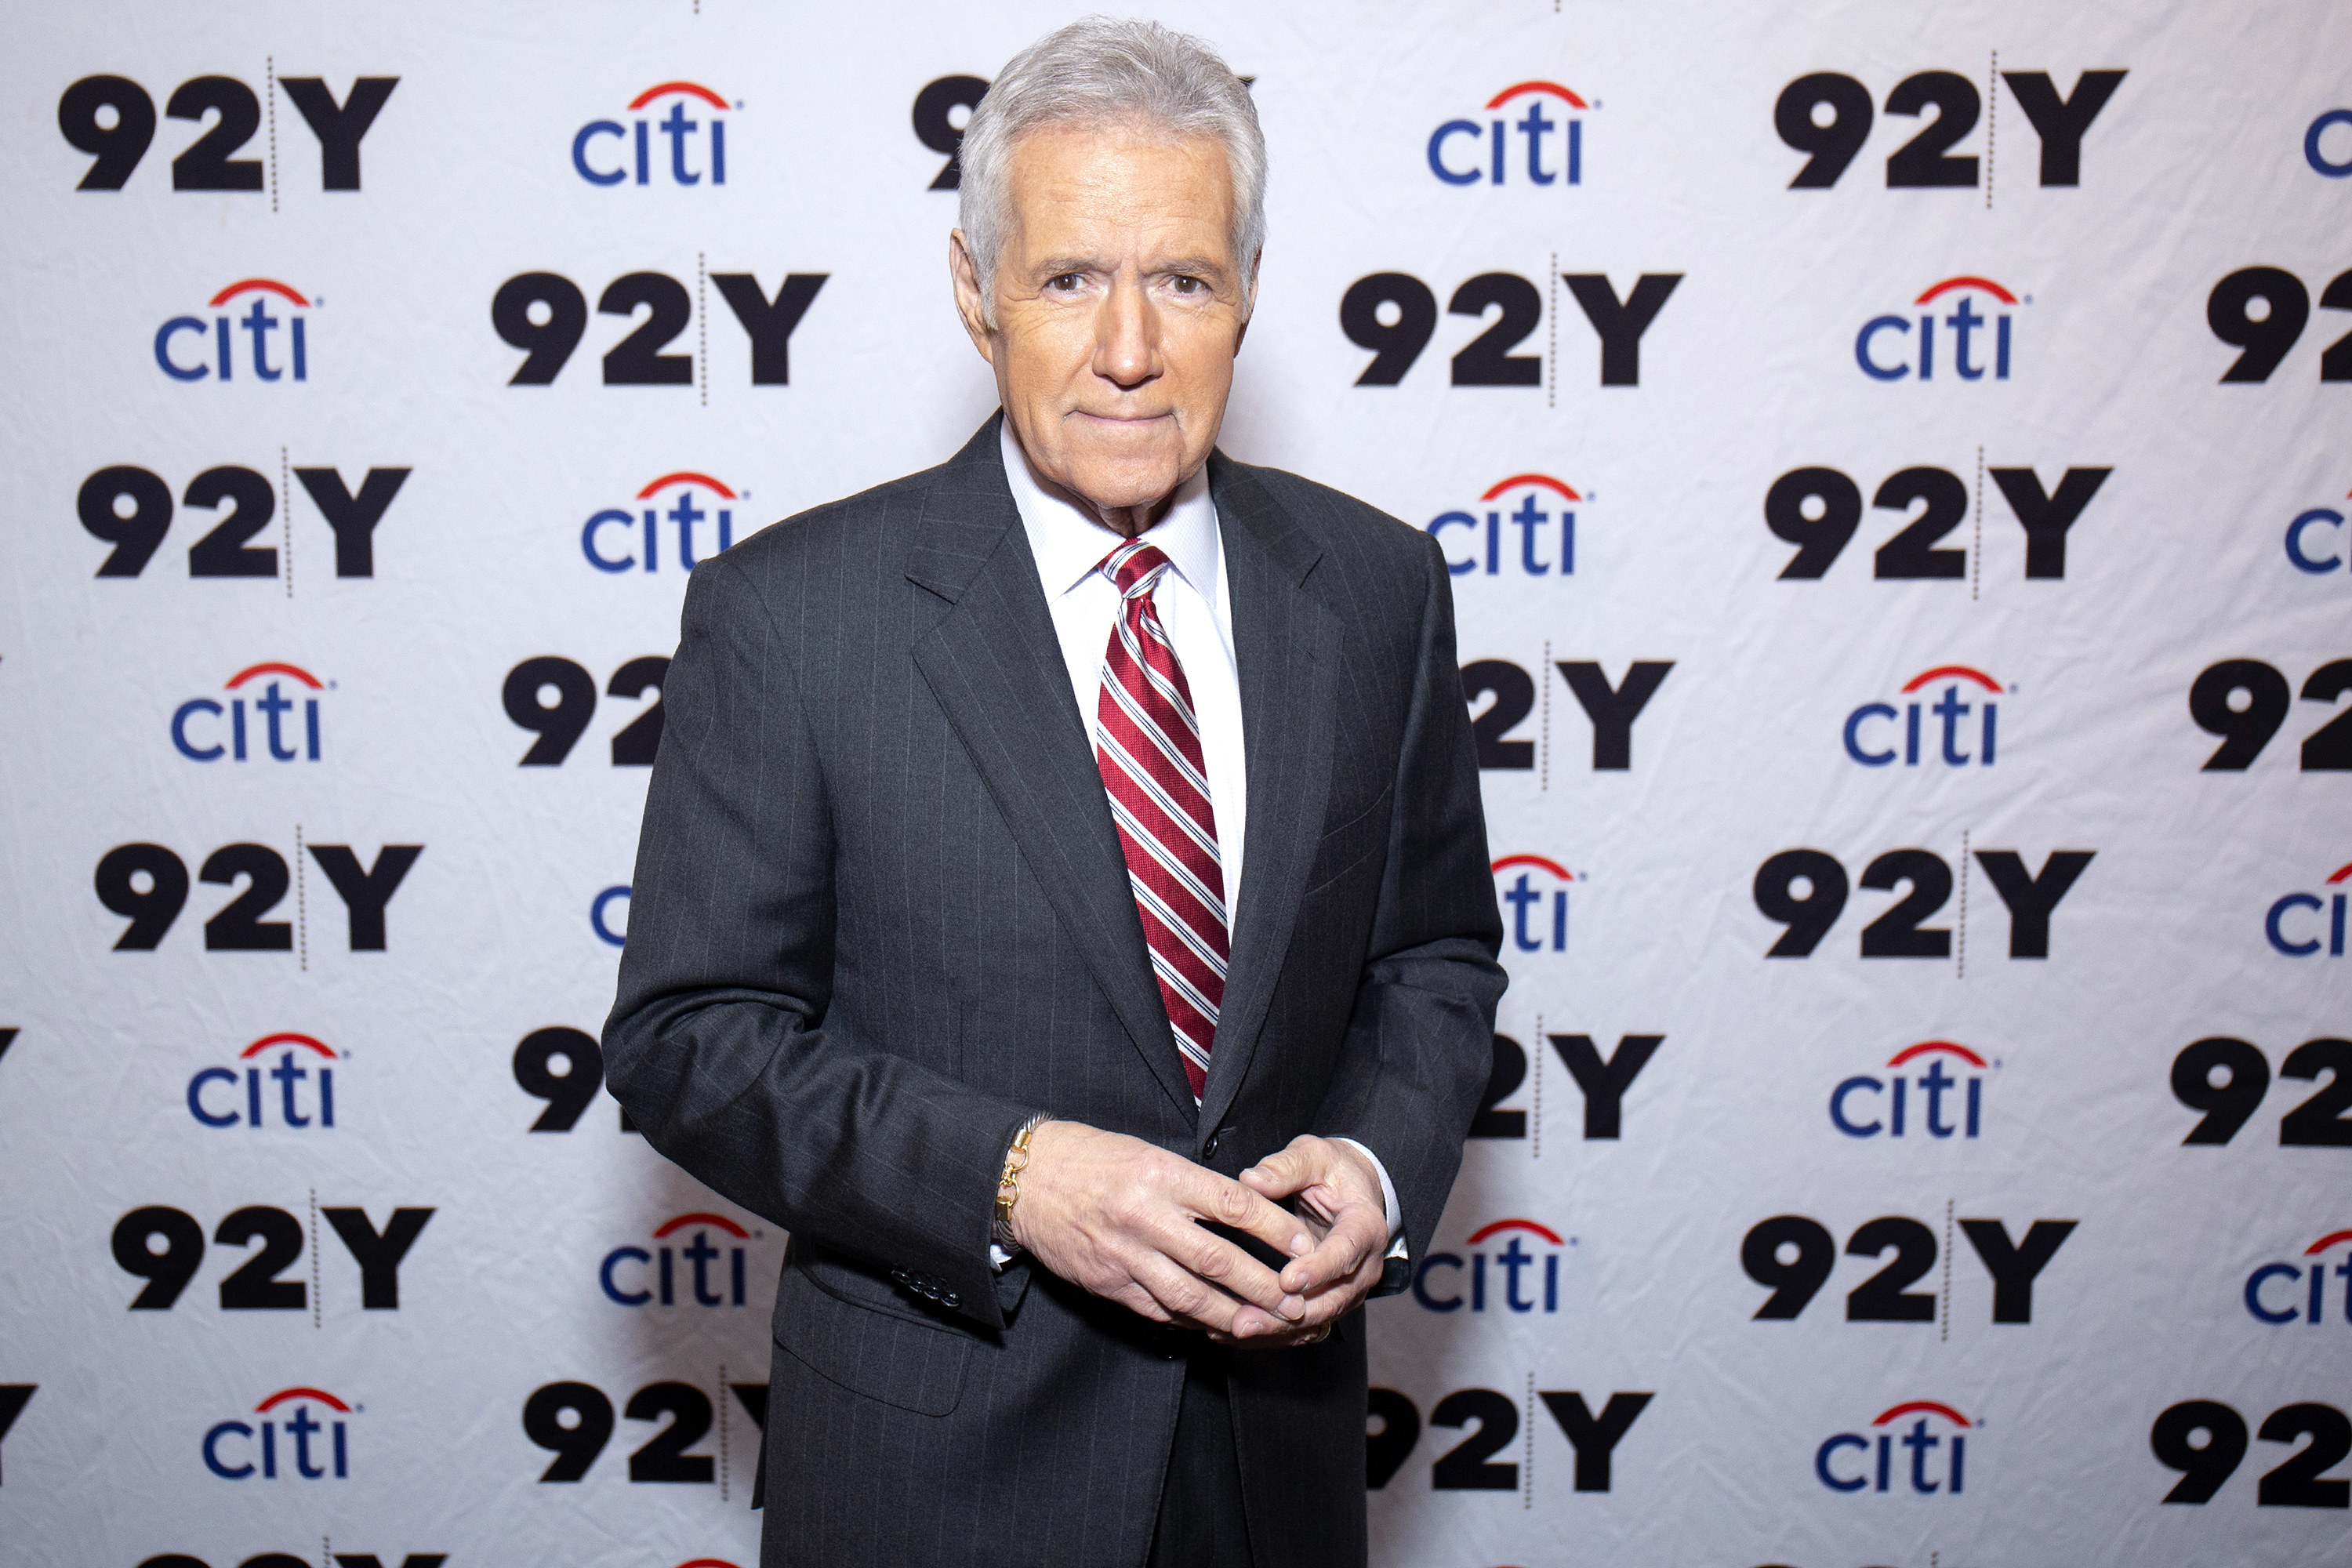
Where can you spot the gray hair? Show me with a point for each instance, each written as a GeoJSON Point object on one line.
{"type": "Point", "coordinates": [1101, 72]}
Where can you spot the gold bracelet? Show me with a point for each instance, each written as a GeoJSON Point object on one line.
{"type": "Point", "coordinates": [1008, 1185]}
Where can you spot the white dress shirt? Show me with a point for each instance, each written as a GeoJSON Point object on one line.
{"type": "Point", "coordinates": [1195, 606]}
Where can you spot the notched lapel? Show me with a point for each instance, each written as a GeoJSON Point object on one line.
{"type": "Point", "coordinates": [1287, 644]}
{"type": "Point", "coordinates": [995, 667]}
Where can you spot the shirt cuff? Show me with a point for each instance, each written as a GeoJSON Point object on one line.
{"type": "Point", "coordinates": [1388, 1197]}
{"type": "Point", "coordinates": [997, 1257]}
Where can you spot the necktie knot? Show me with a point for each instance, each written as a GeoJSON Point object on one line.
{"type": "Point", "coordinates": [1135, 567]}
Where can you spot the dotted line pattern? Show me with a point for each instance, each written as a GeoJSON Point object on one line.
{"type": "Point", "coordinates": [286, 516]}
{"type": "Point", "coordinates": [1961, 955]}
{"type": "Point", "coordinates": [326, 1550]}
{"type": "Point", "coordinates": [314, 1257]}
{"type": "Point", "coordinates": [701, 321]}
{"type": "Point", "coordinates": [1543, 677]}
{"type": "Point", "coordinates": [1535, 1122]}
{"type": "Point", "coordinates": [1946, 1333]}
{"type": "Point", "coordinates": [722, 1431]}
{"type": "Point", "coordinates": [301, 901]}
{"type": "Point", "coordinates": [1551, 322]}
{"type": "Point", "coordinates": [1976, 550]}
{"type": "Point", "coordinates": [1992, 116]}
{"type": "Point", "coordinates": [1528, 1469]}
{"type": "Point", "coordinates": [270, 66]}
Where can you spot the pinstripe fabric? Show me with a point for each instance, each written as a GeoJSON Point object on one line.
{"type": "Point", "coordinates": [881, 914]}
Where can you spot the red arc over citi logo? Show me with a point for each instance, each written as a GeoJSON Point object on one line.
{"type": "Point", "coordinates": [614, 553]}
{"type": "Point", "coordinates": [1875, 747]}
{"type": "Point", "coordinates": [2286, 1304]}
{"type": "Point", "coordinates": [305, 1085]}
{"type": "Point", "coordinates": [2291, 932]}
{"type": "Point", "coordinates": [196, 727]}
{"type": "Point", "coordinates": [270, 363]}
{"type": "Point", "coordinates": [1967, 357]}
{"type": "Point", "coordinates": [1530, 929]}
{"type": "Point", "coordinates": [1921, 1443]}
{"type": "Point", "coordinates": [1895, 1106]}
{"type": "Point", "coordinates": [687, 164]}
{"type": "Point", "coordinates": [1448, 1282]}
{"type": "Point", "coordinates": [239, 1463]}
{"type": "Point", "coordinates": [636, 1289]}
{"type": "Point", "coordinates": [1463, 164]}
{"type": "Point", "coordinates": [1547, 529]}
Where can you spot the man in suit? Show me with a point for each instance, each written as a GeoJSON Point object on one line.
{"type": "Point", "coordinates": [941, 955]}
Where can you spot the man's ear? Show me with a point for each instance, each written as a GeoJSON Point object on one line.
{"type": "Point", "coordinates": [965, 276]}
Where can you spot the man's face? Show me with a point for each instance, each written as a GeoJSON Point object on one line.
{"type": "Point", "coordinates": [1118, 309]}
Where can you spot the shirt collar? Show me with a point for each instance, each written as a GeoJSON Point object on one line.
{"type": "Point", "coordinates": [1069, 544]}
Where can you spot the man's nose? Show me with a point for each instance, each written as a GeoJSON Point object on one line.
{"type": "Point", "coordinates": [1127, 348]}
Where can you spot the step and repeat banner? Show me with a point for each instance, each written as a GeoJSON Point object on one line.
{"type": "Point", "coordinates": [1894, 465]}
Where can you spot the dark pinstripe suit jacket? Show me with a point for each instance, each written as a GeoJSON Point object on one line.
{"type": "Point", "coordinates": [880, 917]}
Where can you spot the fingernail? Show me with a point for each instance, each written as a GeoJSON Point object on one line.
{"type": "Point", "coordinates": [1242, 1328]}
{"type": "Point", "coordinates": [1301, 1245]}
{"type": "Point", "coordinates": [1293, 1307]}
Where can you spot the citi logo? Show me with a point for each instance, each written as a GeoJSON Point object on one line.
{"type": "Point", "coordinates": [302, 1091]}
{"type": "Point", "coordinates": [1448, 1282]}
{"type": "Point", "coordinates": [1871, 744]}
{"type": "Point", "coordinates": [1546, 539]}
{"type": "Point", "coordinates": [188, 361]}
{"type": "Point", "coordinates": [636, 1289]}
{"type": "Point", "coordinates": [2294, 932]}
{"type": "Point", "coordinates": [1471, 162]}
{"type": "Point", "coordinates": [1921, 1443]}
{"type": "Point", "coordinates": [1870, 1106]}
{"type": "Point", "coordinates": [196, 728]}
{"type": "Point", "coordinates": [1917, 352]}
{"type": "Point", "coordinates": [238, 1463]}
{"type": "Point", "coordinates": [2309, 1304]}
{"type": "Point", "coordinates": [590, 155]}
{"type": "Point", "coordinates": [2300, 546]}
{"type": "Point", "coordinates": [627, 551]}
{"type": "Point", "coordinates": [1539, 899]}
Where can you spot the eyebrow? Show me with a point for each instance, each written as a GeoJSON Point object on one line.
{"type": "Point", "coordinates": [1060, 266]}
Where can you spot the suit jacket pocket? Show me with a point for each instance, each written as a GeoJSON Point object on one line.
{"type": "Point", "coordinates": [868, 1344]}
{"type": "Point", "coordinates": [1347, 846]}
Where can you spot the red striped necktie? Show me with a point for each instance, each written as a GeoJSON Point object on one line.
{"type": "Point", "coordinates": [1147, 745]}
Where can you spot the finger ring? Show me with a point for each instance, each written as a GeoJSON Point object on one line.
{"type": "Point", "coordinates": [1320, 1335]}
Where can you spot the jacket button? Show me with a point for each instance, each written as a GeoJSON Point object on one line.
{"type": "Point", "coordinates": [1209, 1150]}
{"type": "Point", "coordinates": [951, 1301]}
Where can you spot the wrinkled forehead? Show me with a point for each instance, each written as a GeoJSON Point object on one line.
{"type": "Point", "coordinates": [1125, 177]}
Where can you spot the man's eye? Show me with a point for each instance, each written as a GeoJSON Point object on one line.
{"type": "Point", "coordinates": [1068, 282]}
{"type": "Point", "coordinates": [1184, 284]}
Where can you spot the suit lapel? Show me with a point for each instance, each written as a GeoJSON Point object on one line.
{"type": "Point", "coordinates": [994, 665]}
{"type": "Point", "coordinates": [1285, 643]}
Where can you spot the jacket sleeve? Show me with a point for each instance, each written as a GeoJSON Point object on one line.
{"type": "Point", "coordinates": [1420, 1040]}
{"type": "Point", "coordinates": [718, 1042]}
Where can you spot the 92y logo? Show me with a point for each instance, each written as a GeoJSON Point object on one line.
{"type": "Point", "coordinates": [131, 508]}
{"type": "Point", "coordinates": [147, 884]}
{"type": "Point", "coordinates": [2030, 897]}
{"type": "Point", "coordinates": [1819, 510]}
{"type": "Point", "coordinates": [545, 315]}
{"type": "Point", "coordinates": [1791, 1256]}
{"type": "Point", "coordinates": [112, 119]}
{"type": "Point", "coordinates": [254, 1286]}
{"type": "Point", "coordinates": [1394, 315]}
{"type": "Point", "coordinates": [1827, 115]}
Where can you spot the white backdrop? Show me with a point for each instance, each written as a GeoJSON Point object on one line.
{"type": "Point", "coordinates": [1586, 1258]}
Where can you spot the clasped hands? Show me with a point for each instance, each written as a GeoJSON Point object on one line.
{"type": "Point", "coordinates": [1118, 1216]}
